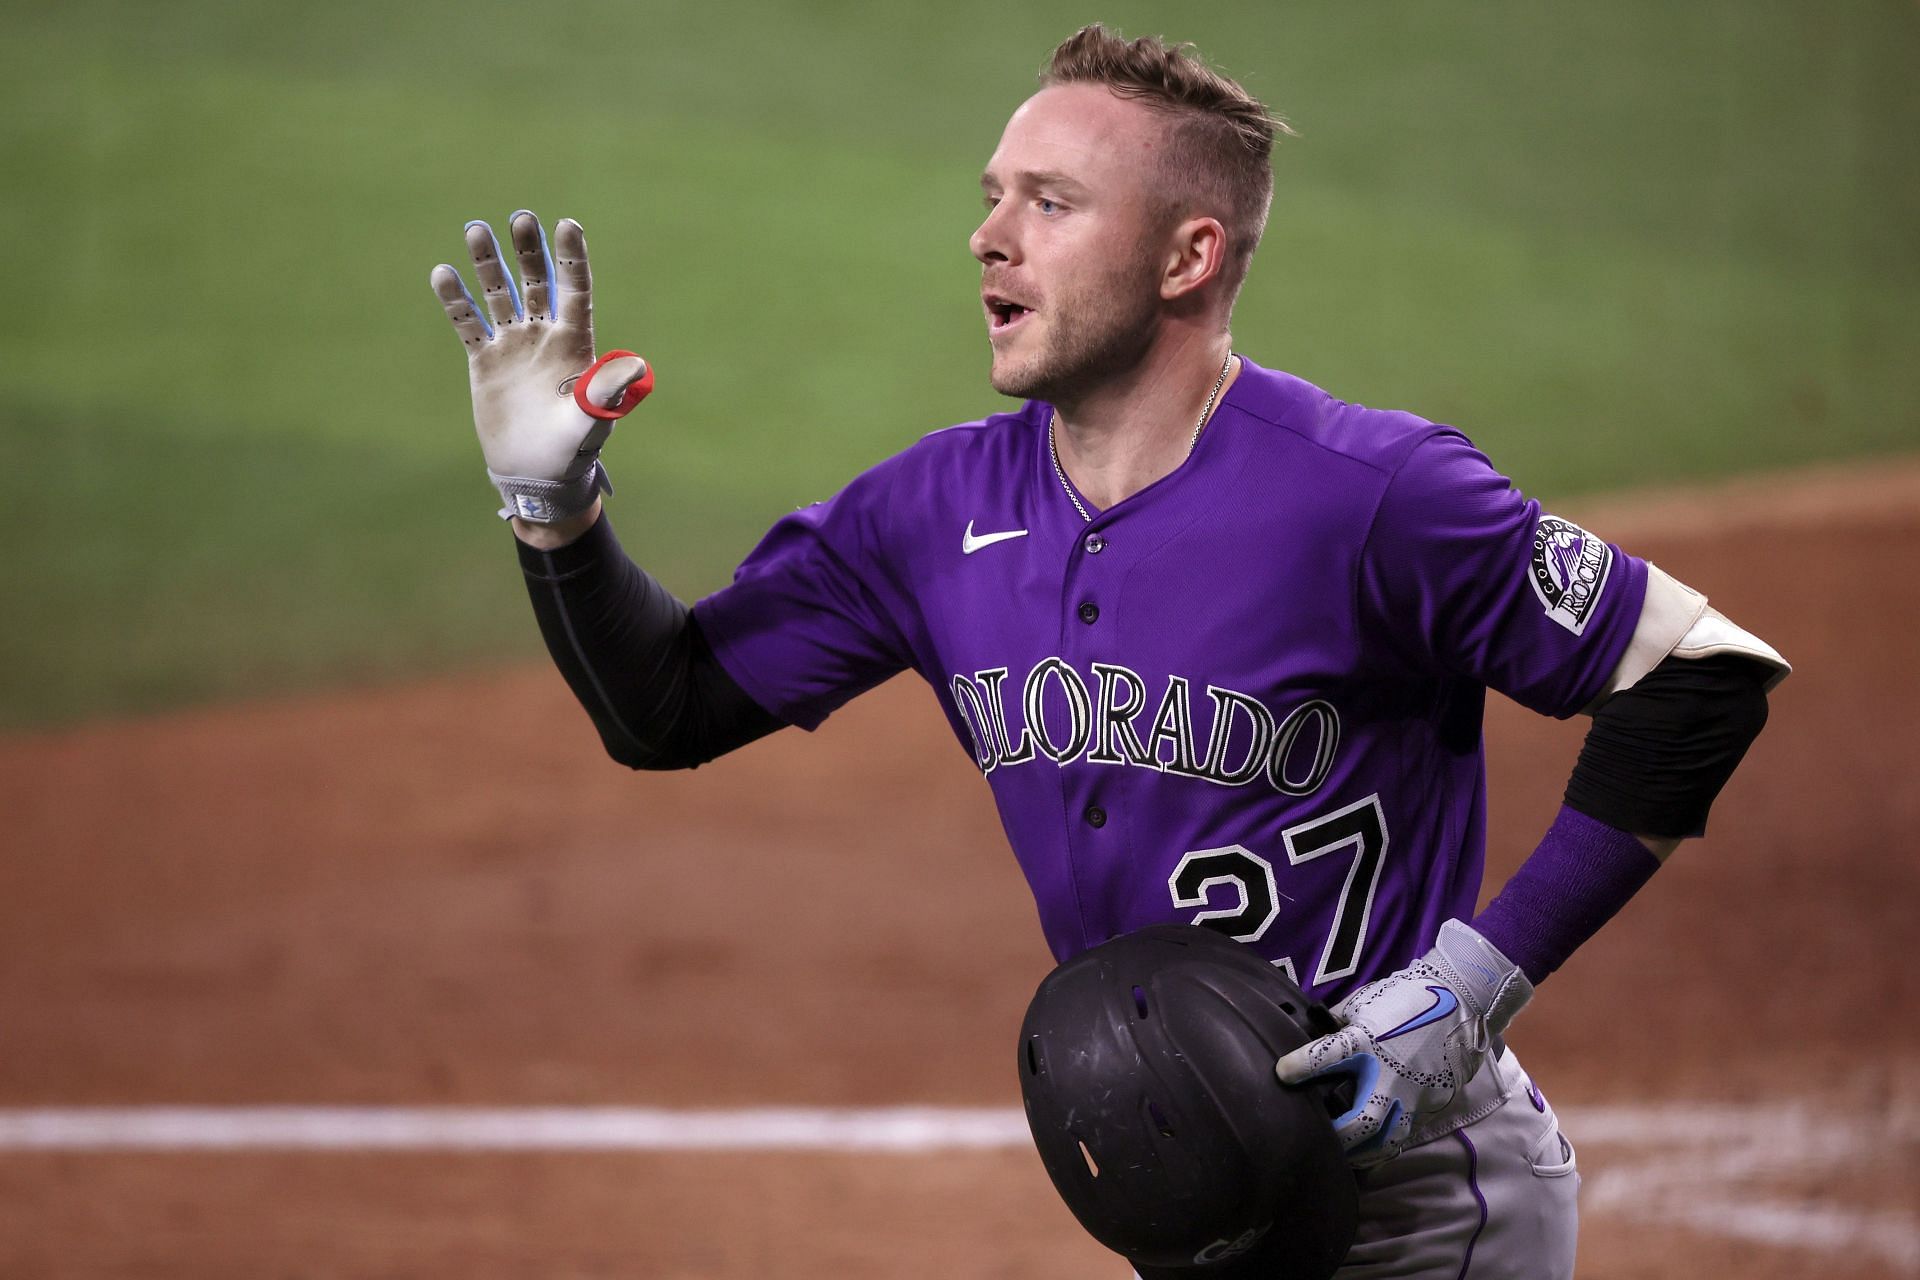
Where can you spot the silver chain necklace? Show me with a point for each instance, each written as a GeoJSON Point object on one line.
{"type": "Point", "coordinates": [1206, 411]}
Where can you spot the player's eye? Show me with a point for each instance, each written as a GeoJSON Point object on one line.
{"type": "Point", "coordinates": [1046, 206]}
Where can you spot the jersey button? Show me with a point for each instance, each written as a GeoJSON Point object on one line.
{"type": "Point", "coordinates": [1095, 544]}
{"type": "Point", "coordinates": [1096, 816]}
{"type": "Point", "coordinates": [1089, 612]}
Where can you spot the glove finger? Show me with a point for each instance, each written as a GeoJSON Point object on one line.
{"type": "Point", "coordinates": [574, 307]}
{"type": "Point", "coordinates": [468, 324]}
{"type": "Point", "coordinates": [1298, 1067]}
{"type": "Point", "coordinates": [496, 286]}
{"type": "Point", "coordinates": [536, 262]}
{"type": "Point", "coordinates": [1366, 1145]}
{"type": "Point", "coordinates": [1364, 1068]}
{"type": "Point", "coordinates": [1329, 1055]}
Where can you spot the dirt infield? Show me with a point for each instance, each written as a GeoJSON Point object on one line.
{"type": "Point", "coordinates": [445, 894]}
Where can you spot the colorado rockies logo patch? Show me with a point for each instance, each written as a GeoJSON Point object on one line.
{"type": "Point", "coordinates": [1569, 571]}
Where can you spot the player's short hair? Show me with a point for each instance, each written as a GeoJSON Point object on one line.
{"type": "Point", "coordinates": [1222, 136]}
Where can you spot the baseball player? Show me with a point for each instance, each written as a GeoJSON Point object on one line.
{"type": "Point", "coordinates": [1218, 641]}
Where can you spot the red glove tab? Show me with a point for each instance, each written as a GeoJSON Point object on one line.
{"type": "Point", "coordinates": [635, 393]}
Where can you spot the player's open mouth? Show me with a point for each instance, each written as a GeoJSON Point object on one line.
{"type": "Point", "coordinates": [1003, 313]}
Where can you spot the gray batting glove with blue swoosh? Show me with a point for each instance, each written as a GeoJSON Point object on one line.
{"type": "Point", "coordinates": [1412, 1039]}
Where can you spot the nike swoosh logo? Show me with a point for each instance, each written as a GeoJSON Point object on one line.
{"type": "Point", "coordinates": [970, 544]}
{"type": "Point", "coordinates": [1444, 1003]}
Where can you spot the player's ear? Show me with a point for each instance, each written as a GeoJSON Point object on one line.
{"type": "Point", "coordinates": [1197, 256]}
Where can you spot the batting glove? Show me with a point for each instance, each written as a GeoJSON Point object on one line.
{"type": "Point", "coordinates": [541, 433]}
{"type": "Point", "coordinates": [1412, 1039]}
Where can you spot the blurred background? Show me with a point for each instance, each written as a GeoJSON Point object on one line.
{"type": "Point", "coordinates": [1614, 243]}
{"type": "Point", "coordinates": [296, 812]}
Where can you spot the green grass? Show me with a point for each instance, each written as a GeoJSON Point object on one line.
{"type": "Point", "coordinates": [1615, 244]}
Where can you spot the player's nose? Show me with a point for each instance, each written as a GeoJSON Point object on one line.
{"type": "Point", "coordinates": [990, 241]}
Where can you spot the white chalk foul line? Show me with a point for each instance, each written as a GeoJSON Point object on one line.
{"type": "Point", "coordinates": [899, 1129]}
{"type": "Point", "coordinates": [1795, 1135]}
{"type": "Point", "coordinates": [1679, 1164]}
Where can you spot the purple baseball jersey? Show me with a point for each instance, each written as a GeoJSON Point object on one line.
{"type": "Point", "coordinates": [1249, 695]}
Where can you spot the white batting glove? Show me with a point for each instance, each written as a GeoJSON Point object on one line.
{"type": "Point", "coordinates": [1412, 1039]}
{"type": "Point", "coordinates": [524, 357]}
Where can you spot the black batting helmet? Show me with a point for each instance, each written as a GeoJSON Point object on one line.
{"type": "Point", "coordinates": [1147, 1067]}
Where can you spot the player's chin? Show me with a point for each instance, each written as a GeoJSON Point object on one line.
{"type": "Point", "coordinates": [1017, 366]}
{"type": "Point", "coordinates": [1015, 377]}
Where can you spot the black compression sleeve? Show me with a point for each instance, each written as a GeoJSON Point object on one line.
{"type": "Point", "coordinates": [635, 658]}
{"type": "Point", "coordinates": [1659, 752]}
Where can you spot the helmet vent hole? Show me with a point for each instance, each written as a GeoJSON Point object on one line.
{"type": "Point", "coordinates": [1033, 1055]}
{"type": "Point", "coordinates": [1140, 1001]}
{"type": "Point", "coordinates": [1287, 1005]}
{"type": "Point", "coordinates": [1093, 1166]}
{"type": "Point", "coordinates": [1160, 1120]}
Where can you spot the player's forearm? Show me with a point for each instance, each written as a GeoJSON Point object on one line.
{"type": "Point", "coordinates": [1652, 766]}
{"type": "Point", "coordinates": [635, 658]}
{"type": "Point", "coordinates": [551, 537]}
{"type": "Point", "coordinates": [1579, 877]}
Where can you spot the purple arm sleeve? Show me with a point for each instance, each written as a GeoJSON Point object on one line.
{"type": "Point", "coordinates": [1578, 878]}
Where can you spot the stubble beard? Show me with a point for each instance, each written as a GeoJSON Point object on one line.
{"type": "Point", "coordinates": [1093, 336]}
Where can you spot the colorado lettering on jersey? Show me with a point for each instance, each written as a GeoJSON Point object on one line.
{"type": "Point", "coordinates": [1103, 717]}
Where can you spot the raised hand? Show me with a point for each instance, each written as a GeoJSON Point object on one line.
{"type": "Point", "coordinates": [539, 430]}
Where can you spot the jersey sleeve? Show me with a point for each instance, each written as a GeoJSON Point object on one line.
{"type": "Point", "coordinates": [1463, 576]}
{"type": "Point", "coordinates": [811, 617]}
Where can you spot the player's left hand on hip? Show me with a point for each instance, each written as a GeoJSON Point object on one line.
{"type": "Point", "coordinates": [1412, 1039]}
